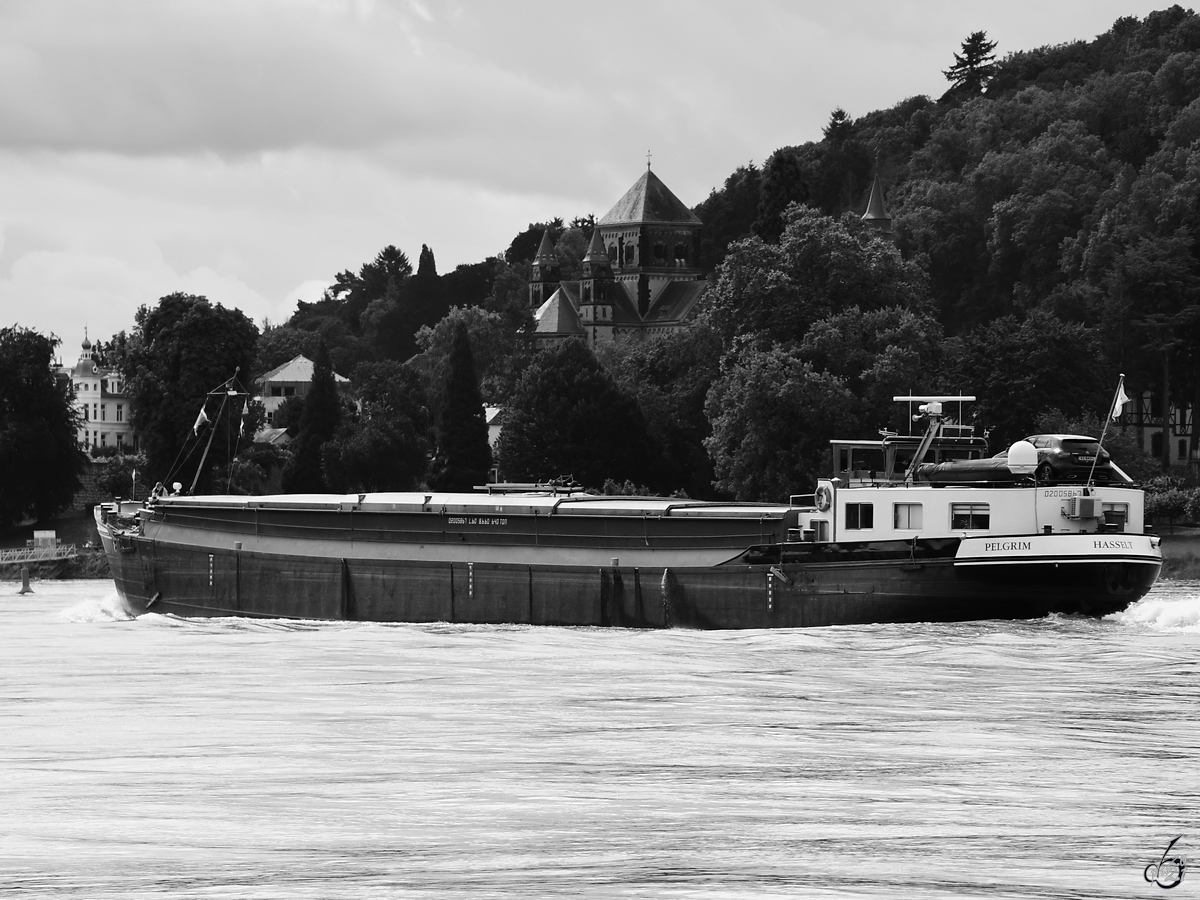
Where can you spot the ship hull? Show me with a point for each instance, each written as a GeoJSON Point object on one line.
{"type": "Point", "coordinates": [772, 587]}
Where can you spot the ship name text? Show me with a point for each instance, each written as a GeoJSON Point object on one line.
{"type": "Point", "coordinates": [993, 546]}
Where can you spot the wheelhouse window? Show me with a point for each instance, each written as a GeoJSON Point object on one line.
{"type": "Point", "coordinates": [1116, 515]}
{"type": "Point", "coordinates": [907, 516]}
{"type": "Point", "coordinates": [970, 516]}
{"type": "Point", "coordinates": [860, 515]}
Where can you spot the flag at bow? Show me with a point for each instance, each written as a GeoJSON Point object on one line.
{"type": "Point", "coordinates": [242, 426]}
{"type": "Point", "coordinates": [1120, 400]}
{"type": "Point", "coordinates": [200, 420]}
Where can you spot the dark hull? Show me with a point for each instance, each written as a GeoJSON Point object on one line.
{"type": "Point", "coordinates": [785, 592]}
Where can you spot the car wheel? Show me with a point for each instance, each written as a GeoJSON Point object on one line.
{"type": "Point", "coordinates": [1044, 472]}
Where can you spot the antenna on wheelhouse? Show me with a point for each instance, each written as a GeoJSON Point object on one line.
{"type": "Point", "coordinates": [931, 409]}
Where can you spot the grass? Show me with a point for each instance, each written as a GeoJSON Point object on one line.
{"type": "Point", "coordinates": [1181, 554]}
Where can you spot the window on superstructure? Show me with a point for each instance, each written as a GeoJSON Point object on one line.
{"type": "Point", "coordinates": [907, 516]}
{"type": "Point", "coordinates": [969, 516]}
{"type": "Point", "coordinates": [860, 515]}
{"type": "Point", "coordinates": [1116, 515]}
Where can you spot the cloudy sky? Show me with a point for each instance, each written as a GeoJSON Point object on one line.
{"type": "Point", "coordinates": [248, 150]}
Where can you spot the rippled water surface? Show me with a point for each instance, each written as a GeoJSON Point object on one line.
{"type": "Point", "coordinates": [230, 758]}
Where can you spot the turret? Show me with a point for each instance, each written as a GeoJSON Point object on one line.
{"type": "Point", "coordinates": [595, 302]}
{"type": "Point", "coordinates": [545, 274]}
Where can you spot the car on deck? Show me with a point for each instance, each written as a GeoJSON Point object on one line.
{"type": "Point", "coordinates": [1073, 457]}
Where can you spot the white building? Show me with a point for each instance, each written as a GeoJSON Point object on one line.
{"type": "Point", "coordinates": [99, 395]}
{"type": "Point", "coordinates": [292, 379]}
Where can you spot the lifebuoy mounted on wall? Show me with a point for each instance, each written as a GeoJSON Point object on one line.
{"type": "Point", "coordinates": [824, 497]}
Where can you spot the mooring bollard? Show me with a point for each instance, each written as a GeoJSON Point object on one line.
{"type": "Point", "coordinates": [25, 588]}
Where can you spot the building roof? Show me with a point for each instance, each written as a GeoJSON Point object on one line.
{"type": "Point", "coordinates": [876, 209]}
{"type": "Point", "coordinates": [545, 255]}
{"type": "Point", "coordinates": [557, 316]}
{"type": "Point", "coordinates": [272, 436]}
{"type": "Point", "coordinates": [676, 301]}
{"type": "Point", "coordinates": [649, 200]}
{"type": "Point", "coordinates": [299, 369]}
{"type": "Point", "coordinates": [595, 252]}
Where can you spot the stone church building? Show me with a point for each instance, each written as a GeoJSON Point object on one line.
{"type": "Point", "coordinates": [639, 275]}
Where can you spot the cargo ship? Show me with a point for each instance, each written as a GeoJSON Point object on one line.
{"type": "Point", "coordinates": [907, 528]}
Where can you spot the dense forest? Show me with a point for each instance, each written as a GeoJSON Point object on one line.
{"type": "Point", "coordinates": [1046, 213]}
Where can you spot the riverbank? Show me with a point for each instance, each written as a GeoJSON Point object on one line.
{"type": "Point", "coordinates": [87, 564]}
{"type": "Point", "coordinates": [1181, 553]}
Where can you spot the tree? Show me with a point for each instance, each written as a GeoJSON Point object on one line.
{"type": "Point", "coordinates": [355, 292]}
{"type": "Point", "coordinates": [283, 343]}
{"type": "Point", "coordinates": [772, 419]}
{"type": "Point", "coordinates": [179, 351]}
{"type": "Point", "coordinates": [322, 414]}
{"type": "Point", "coordinates": [727, 215]}
{"type": "Point", "coordinates": [385, 448]}
{"type": "Point", "coordinates": [117, 479]}
{"type": "Point", "coordinates": [567, 417]}
{"type": "Point", "coordinates": [1021, 369]}
{"type": "Point", "coordinates": [498, 350]}
{"type": "Point", "coordinates": [463, 457]}
{"type": "Point", "coordinates": [670, 376]}
{"type": "Point", "coordinates": [783, 183]}
{"type": "Point", "coordinates": [39, 456]}
{"type": "Point", "coordinates": [819, 267]}
{"type": "Point", "coordinates": [974, 67]}
{"type": "Point", "coordinates": [840, 127]}
{"type": "Point", "coordinates": [426, 266]}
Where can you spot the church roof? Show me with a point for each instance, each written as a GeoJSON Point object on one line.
{"type": "Point", "coordinates": [545, 255]}
{"type": "Point", "coordinates": [876, 210]}
{"type": "Point", "coordinates": [676, 301]}
{"type": "Point", "coordinates": [649, 200]}
{"type": "Point", "coordinates": [557, 316]}
{"type": "Point", "coordinates": [595, 251]}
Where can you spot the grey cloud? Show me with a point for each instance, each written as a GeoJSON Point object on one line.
{"type": "Point", "coordinates": [151, 78]}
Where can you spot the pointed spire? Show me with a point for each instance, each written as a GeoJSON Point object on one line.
{"type": "Point", "coordinates": [595, 253]}
{"type": "Point", "coordinates": [877, 217]}
{"type": "Point", "coordinates": [596, 263]}
{"type": "Point", "coordinates": [876, 209]}
{"type": "Point", "coordinates": [545, 255]}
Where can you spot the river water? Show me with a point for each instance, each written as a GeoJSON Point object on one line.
{"type": "Point", "coordinates": [161, 757]}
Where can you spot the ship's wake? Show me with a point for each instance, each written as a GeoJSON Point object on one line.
{"type": "Point", "coordinates": [107, 608]}
{"type": "Point", "coordinates": [1171, 606]}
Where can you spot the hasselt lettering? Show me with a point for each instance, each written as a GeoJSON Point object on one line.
{"type": "Point", "coordinates": [1112, 545]}
{"type": "Point", "coordinates": [993, 546]}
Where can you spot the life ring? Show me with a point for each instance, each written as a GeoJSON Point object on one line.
{"type": "Point", "coordinates": [824, 497]}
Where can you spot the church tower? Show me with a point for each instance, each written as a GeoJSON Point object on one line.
{"type": "Point", "coordinates": [546, 272]}
{"type": "Point", "coordinates": [651, 240]}
{"type": "Point", "coordinates": [876, 217]}
{"type": "Point", "coordinates": [595, 302]}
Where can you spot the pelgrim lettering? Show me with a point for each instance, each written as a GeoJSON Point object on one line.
{"type": "Point", "coordinates": [1000, 546]}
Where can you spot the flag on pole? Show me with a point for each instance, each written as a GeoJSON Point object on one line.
{"type": "Point", "coordinates": [200, 420]}
{"type": "Point", "coordinates": [1120, 400]}
{"type": "Point", "coordinates": [242, 426]}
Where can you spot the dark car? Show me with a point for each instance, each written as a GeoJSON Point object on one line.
{"type": "Point", "coordinates": [1070, 457]}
